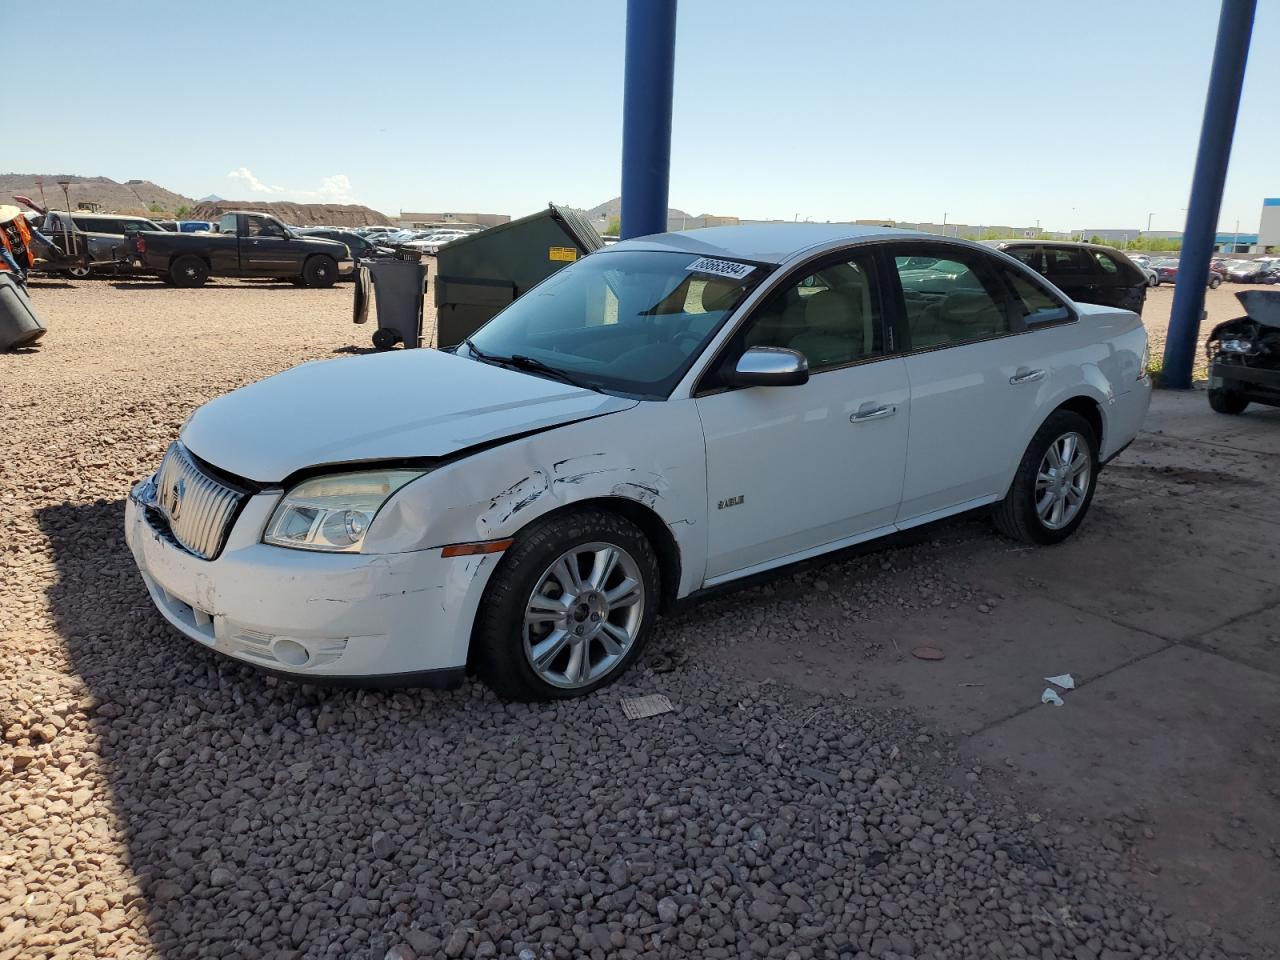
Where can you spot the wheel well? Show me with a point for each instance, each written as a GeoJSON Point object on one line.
{"type": "Point", "coordinates": [1089, 409]}
{"type": "Point", "coordinates": [653, 527]}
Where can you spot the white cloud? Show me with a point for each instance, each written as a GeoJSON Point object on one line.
{"type": "Point", "coordinates": [253, 183]}
{"type": "Point", "coordinates": [334, 189]}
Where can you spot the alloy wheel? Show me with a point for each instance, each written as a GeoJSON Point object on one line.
{"type": "Point", "coordinates": [583, 615]}
{"type": "Point", "coordinates": [1062, 482]}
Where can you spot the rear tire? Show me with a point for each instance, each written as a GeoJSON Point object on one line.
{"type": "Point", "coordinates": [320, 271]}
{"type": "Point", "coordinates": [384, 339]}
{"type": "Point", "coordinates": [1046, 501]}
{"type": "Point", "coordinates": [602, 623]}
{"type": "Point", "coordinates": [1229, 402]}
{"type": "Point", "coordinates": [189, 271]}
{"type": "Point", "coordinates": [78, 273]}
{"type": "Point", "coordinates": [1215, 283]}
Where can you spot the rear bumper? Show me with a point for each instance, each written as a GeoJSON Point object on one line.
{"type": "Point", "coordinates": [1123, 418]}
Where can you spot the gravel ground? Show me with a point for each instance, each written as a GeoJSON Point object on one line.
{"type": "Point", "coordinates": [160, 802]}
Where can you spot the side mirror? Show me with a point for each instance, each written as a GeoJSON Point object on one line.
{"type": "Point", "coordinates": [770, 367]}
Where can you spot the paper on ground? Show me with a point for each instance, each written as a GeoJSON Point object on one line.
{"type": "Point", "coordinates": [637, 708]}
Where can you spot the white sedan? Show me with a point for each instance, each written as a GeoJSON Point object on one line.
{"type": "Point", "coordinates": [666, 415]}
{"type": "Point", "coordinates": [433, 242]}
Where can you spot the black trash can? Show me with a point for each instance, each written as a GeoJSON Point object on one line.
{"type": "Point", "coordinates": [399, 288]}
{"type": "Point", "coordinates": [19, 325]}
{"type": "Point", "coordinates": [477, 276]}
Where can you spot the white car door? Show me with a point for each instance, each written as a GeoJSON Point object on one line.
{"type": "Point", "coordinates": [977, 378]}
{"type": "Point", "coordinates": [796, 470]}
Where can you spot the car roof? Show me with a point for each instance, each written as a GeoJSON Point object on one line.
{"type": "Point", "coordinates": [764, 242]}
{"type": "Point", "coordinates": [102, 216]}
{"type": "Point", "coordinates": [1074, 244]}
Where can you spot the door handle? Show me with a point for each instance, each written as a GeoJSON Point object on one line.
{"type": "Point", "coordinates": [873, 413]}
{"type": "Point", "coordinates": [1026, 376]}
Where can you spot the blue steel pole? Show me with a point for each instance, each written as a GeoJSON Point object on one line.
{"type": "Point", "coordinates": [646, 116]}
{"type": "Point", "coordinates": [1235, 26]}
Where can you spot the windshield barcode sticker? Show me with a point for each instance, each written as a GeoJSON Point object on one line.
{"type": "Point", "coordinates": [721, 268]}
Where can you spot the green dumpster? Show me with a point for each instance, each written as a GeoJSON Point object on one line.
{"type": "Point", "coordinates": [478, 275]}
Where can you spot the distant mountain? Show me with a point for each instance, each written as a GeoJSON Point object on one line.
{"type": "Point", "coordinates": [211, 198]}
{"type": "Point", "coordinates": [298, 214]}
{"type": "Point", "coordinates": [613, 208]}
{"type": "Point", "coordinates": [132, 196]}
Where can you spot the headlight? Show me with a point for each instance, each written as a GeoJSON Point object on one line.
{"type": "Point", "coordinates": [333, 513]}
{"type": "Point", "coordinates": [1236, 345]}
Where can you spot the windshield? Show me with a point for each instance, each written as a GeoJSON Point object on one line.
{"type": "Point", "coordinates": [628, 321]}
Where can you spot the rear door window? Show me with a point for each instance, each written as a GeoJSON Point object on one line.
{"type": "Point", "coordinates": [959, 298]}
{"type": "Point", "coordinates": [1033, 257]}
{"type": "Point", "coordinates": [1069, 264]}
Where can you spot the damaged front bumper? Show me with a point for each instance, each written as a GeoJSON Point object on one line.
{"type": "Point", "coordinates": [370, 620]}
{"type": "Point", "coordinates": [1260, 384]}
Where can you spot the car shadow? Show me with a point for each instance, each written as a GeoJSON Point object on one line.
{"type": "Point", "coordinates": [234, 285]}
{"type": "Point", "coordinates": [44, 284]}
{"type": "Point", "coordinates": [356, 351]}
{"type": "Point", "coordinates": [166, 708]}
{"type": "Point", "coordinates": [224, 781]}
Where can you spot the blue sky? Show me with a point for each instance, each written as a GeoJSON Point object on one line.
{"type": "Point", "coordinates": [1079, 114]}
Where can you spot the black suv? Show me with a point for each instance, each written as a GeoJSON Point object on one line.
{"type": "Point", "coordinates": [1087, 272]}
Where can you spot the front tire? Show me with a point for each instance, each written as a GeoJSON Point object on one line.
{"type": "Point", "coordinates": [1053, 487]}
{"type": "Point", "coordinates": [1229, 402]}
{"type": "Point", "coordinates": [385, 338]}
{"type": "Point", "coordinates": [189, 271]}
{"type": "Point", "coordinates": [78, 273]}
{"type": "Point", "coordinates": [569, 608]}
{"type": "Point", "coordinates": [320, 271]}
{"type": "Point", "coordinates": [1215, 283]}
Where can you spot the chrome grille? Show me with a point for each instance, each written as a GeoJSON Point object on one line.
{"type": "Point", "coordinates": [197, 507]}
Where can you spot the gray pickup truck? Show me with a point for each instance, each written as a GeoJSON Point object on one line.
{"type": "Point", "coordinates": [246, 244]}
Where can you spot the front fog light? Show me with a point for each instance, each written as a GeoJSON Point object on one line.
{"type": "Point", "coordinates": [333, 513]}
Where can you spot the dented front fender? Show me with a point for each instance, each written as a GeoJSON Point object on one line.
{"type": "Point", "coordinates": [651, 454]}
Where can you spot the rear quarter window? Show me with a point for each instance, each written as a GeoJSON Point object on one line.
{"type": "Point", "coordinates": [1038, 305]}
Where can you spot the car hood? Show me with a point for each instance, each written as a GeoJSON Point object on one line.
{"type": "Point", "coordinates": [390, 406]}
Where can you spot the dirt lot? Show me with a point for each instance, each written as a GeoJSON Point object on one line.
{"type": "Point", "coordinates": [818, 791]}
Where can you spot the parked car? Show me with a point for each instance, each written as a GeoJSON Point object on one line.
{"type": "Point", "coordinates": [1253, 271]}
{"type": "Point", "coordinates": [103, 235]}
{"type": "Point", "coordinates": [1086, 272]}
{"type": "Point", "coordinates": [247, 244]}
{"type": "Point", "coordinates": [361, 250]}
{"type": "Point", "coordinates": [672, 413]}
{"type": "Point", "coordinates": [1143, 263]}
{"type": "Point", "coordinates": [1244, 355]}
{"type": "Point", "coordinates": [434, 241]}
{"type": "Point", "coordinates": [1168, 270]}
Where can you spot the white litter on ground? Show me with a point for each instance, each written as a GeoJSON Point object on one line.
{"type": "Point", "coordinates": [1063, 680]}
{"type": "Point", "coordinates": [1051, 696]}
{"type": "Point", "coordinates": [637, 708]}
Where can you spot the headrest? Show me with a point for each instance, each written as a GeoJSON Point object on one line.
{"type": "Point", "coordinates": [718, 294]}
{"type": "Point", "coordinates": [831, 311]}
